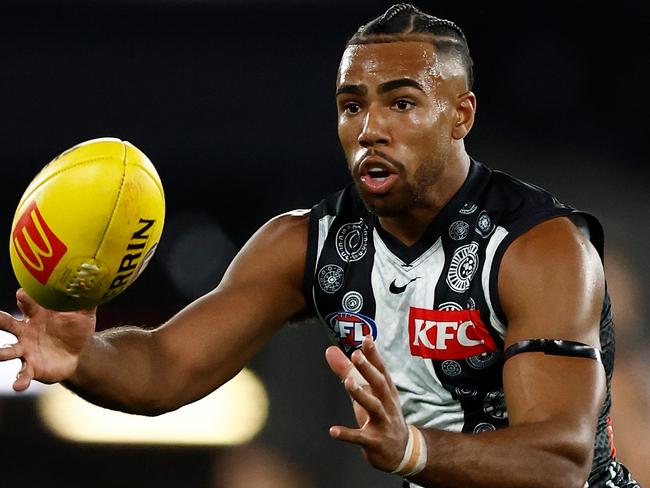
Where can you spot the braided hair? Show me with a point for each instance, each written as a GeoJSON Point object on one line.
{"type": "Point", "coordinates": [404, 22]}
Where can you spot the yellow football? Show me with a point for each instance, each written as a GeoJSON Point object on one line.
{"type": "Point", "coordinates": [87, 225]}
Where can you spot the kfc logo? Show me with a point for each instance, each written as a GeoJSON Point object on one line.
{"type": "Point", "coordinates": [448, 334]}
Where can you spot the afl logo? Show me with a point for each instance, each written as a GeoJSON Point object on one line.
{"type": "Point", "coordinates": [484, 225]}
{"type": "Point", "coordinates": [459, 230]}
{"type": "Point", "coordinates": [330, 278]}
{"type": "Point", "coordinates": [464, 264]}
{"type": "Point", "coordinates": [348, 329]}
{"type": "Point", "coordinates": [352, 241]}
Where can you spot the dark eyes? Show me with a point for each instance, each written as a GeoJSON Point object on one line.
{"type": "Point", "coordinates": [352, 108]}
{"type": "Point", "coordinates": [403, 105]}
{"type": "Point", "coordinates": [400, 105]}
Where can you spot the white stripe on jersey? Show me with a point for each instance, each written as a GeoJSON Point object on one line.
{"type": "Point", "coordinates": [425, 402]}
{"type": "Point", "coordinates": [324, 225]}
{"type": "Point", "coordinates": [497, 237]}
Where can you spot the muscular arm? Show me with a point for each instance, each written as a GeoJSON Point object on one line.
{"type": "Point", "coordinates": [551, 285]}
{"type": "Point", "coordinates": [153, 371]}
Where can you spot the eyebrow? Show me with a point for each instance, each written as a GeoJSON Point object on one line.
{"type": "Point", "coordinates": [395, 84]}
{"type": "Point", "coordinates": [362, 90]}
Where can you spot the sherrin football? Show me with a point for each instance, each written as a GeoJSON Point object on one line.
{"type": "Point", "coordinates": [87, 225]}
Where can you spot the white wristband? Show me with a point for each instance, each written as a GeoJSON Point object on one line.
{"type": "Point", "coordinates": [415, 454]}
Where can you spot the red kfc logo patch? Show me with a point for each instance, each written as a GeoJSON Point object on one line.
{"type": "Point", "coordinates": [448, 334]}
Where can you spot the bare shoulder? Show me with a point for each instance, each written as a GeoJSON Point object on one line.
{"type": "Point", "coordinates": [551, 280]}
{"type": "Point", "coordinates": [558, 238]}
{"type": "Point", "coordinates": [276, 251]}
{"type": "Point", "coordinates": [285, 234]}
{"type": "Point", "coordinates": [292, 225]}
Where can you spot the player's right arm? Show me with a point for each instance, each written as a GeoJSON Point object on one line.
{"type": "Point", "coordinates": [152, 371]}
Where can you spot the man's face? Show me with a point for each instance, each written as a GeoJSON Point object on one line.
{"type": "Point", "coordinates": [394, 122]}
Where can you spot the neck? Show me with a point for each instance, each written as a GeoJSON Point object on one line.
{"type": "Point", "coordinates": [408, 228]}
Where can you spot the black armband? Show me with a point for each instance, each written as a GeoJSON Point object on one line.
{"type": "Point", "coordinates": [555, 347]}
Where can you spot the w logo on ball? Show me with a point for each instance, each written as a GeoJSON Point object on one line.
{"type": "Point", "coordinates": [38, 247]}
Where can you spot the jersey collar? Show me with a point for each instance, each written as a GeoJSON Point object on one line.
{"type": "Point", "coordinates": [465, 197]}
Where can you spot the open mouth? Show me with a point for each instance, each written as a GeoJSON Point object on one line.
{"type": "Point", "coordinates": [376, 175]}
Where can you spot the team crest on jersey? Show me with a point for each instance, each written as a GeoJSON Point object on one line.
{"type": "Point", "coordinates": [352, 241]}
{"type": "Point", "coordinates": [464, 264]}
{"type": "Point", "coordinates": [459, 230]}
{"type": "Point", "coordinates": [494, 405]}
{"type": "Point", "coordinates": [352, 301]}
{"type": "Point", "coordinates": [349, 329]}
{"type": "Point", "coordinates": [330, 278]}
{"type": "Point", "coordinates": [483, 360]}
{"type": "Point", "coordinates": [451, 367]}
{"type": "Point", "coordinates": [448, 306]}
{"type": "Point", "coordinates": [468, 208]}
{"type": "Point", "coordinates": [465, 391]}
{"type": "Point", "coordinates": [484, 427]}
{"type": "Point", "coordinates": [484, 225]}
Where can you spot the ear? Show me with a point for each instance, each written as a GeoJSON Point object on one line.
{"type": "Point", "coordinates": [465, 111]}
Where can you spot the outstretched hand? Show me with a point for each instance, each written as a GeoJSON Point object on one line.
{"type": "Point", "coordinates": [49, 343]}
{"type": "Point", "coordinates": [382, 432]}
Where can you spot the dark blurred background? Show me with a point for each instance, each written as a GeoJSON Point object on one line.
{"type": "Point", "coordinates": [233, 101]}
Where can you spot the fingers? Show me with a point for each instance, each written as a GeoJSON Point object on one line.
{"type": "Point", "coordinates": [9, 324]}
{"type": "Point", "coordinates": [366, 399]}
{"type": "Point", "coordinates": [24, 377]}
{"type": "Point", "coordinates": [370, 351]}
{"type": "Point", "coordinates": [370, 365]}
{"type": "Point", "coordinates": [25, 303]}
{"type": "Point", "coordinates": [345, 434]}
{"type": "Point", "coordinates": [338, 362]}
{"type": "Point", "coordinates": [10, 351]}
{"type": "Point", "coordinates": [382, 429]}
{"type": "Point", "coordinates": [365, 366]}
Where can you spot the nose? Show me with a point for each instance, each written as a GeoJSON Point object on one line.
{"type": "Point", "coordinates": [374, 131]}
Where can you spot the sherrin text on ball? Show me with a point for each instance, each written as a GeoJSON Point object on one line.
{"type": "Point", "coordinates": [87, 225]}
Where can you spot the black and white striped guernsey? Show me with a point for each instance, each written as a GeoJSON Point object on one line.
{"type": "Point", "coordinates": [433, 308]}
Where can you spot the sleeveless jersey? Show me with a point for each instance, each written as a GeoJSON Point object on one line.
{"type": "Point", "coordinates": [433, 308]}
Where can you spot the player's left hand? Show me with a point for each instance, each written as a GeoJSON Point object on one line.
{"type": "Point", "coordinates": [382, 432]}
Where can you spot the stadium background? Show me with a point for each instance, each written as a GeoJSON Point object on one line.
{"type": "Point", "coordinates": [233, 102]}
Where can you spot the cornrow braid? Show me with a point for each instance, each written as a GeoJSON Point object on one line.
{"type": "Point", "coordinates": [395, 10]}
{"type": "Point", "coordinates": [403, 21]}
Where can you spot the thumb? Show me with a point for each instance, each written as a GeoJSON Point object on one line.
{"type": "Point", "coordinates": [26, 304]}
{"type": "Point", "coordinates": [338, 362]}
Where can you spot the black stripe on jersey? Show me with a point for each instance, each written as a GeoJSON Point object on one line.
{"type": "Point", "coordinates": [477, 381]}
{"type": "Point", "coordinates": [351, 290]}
